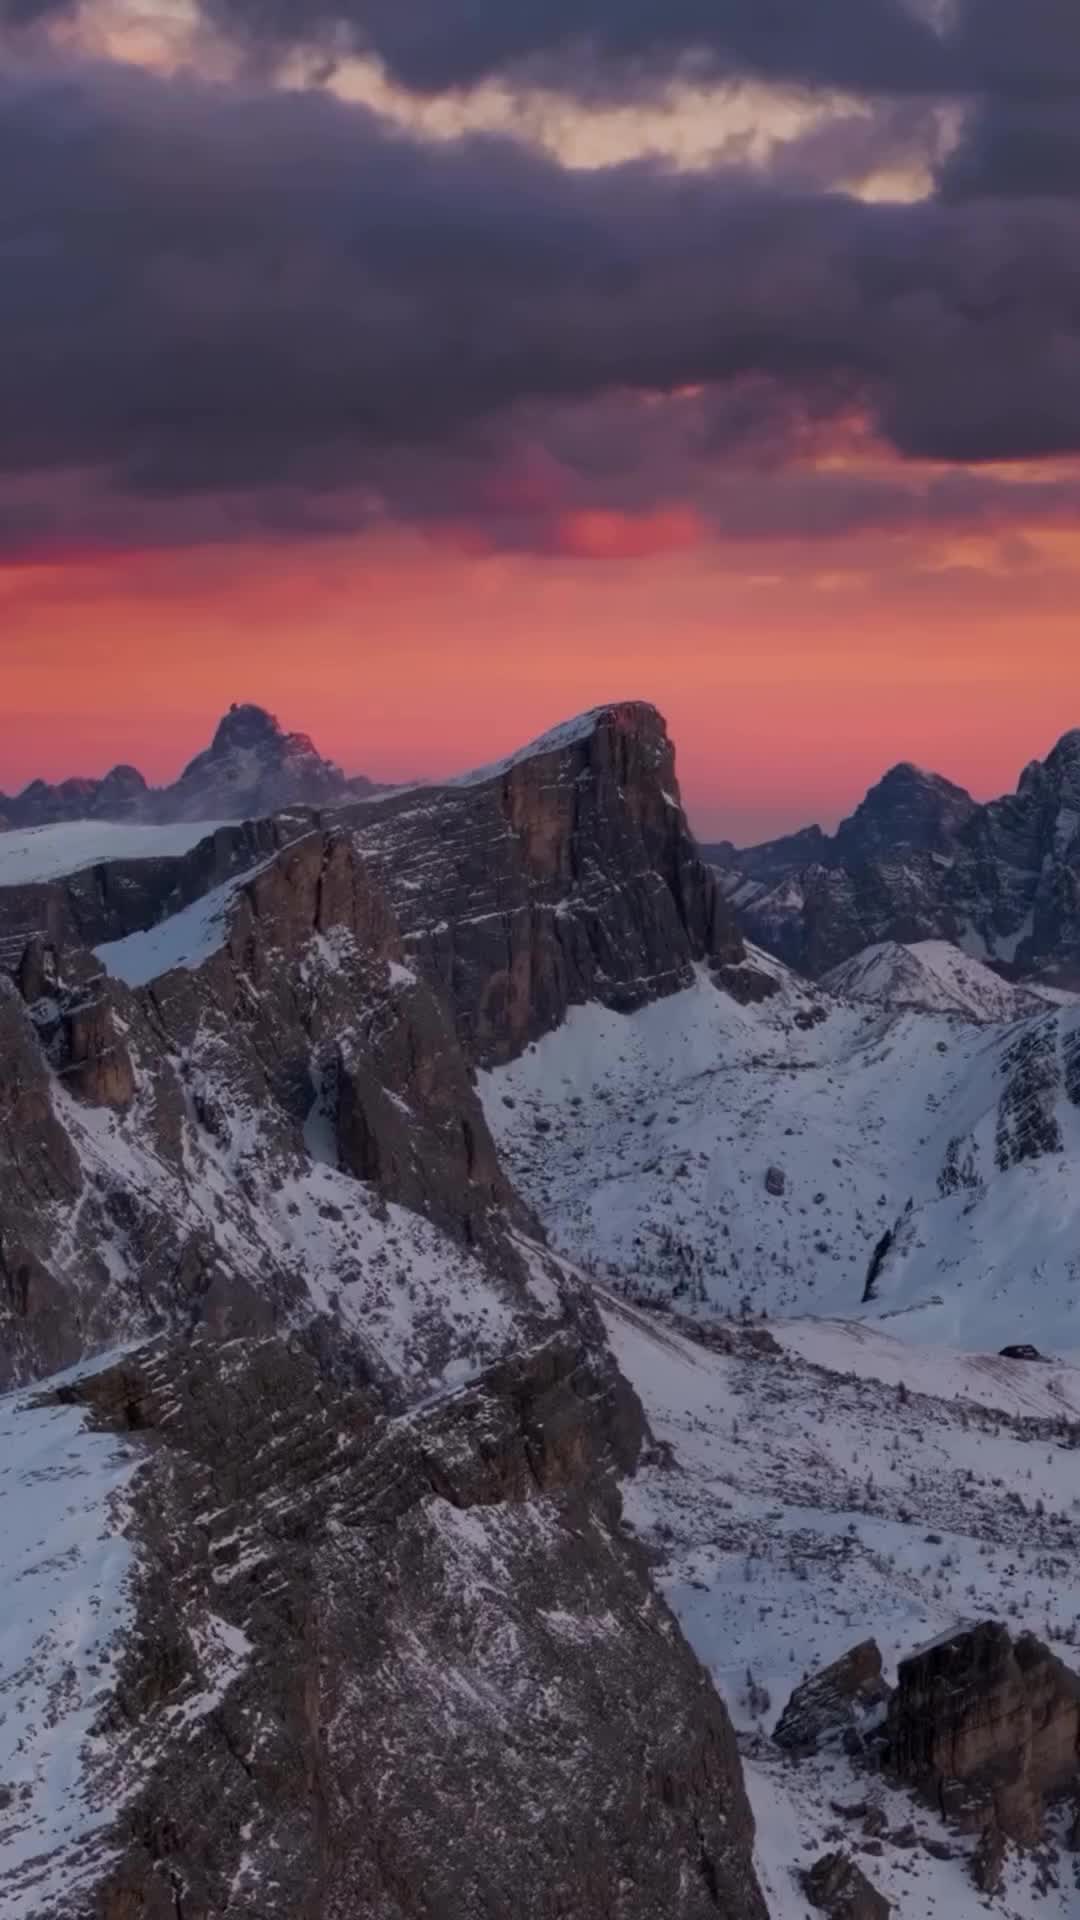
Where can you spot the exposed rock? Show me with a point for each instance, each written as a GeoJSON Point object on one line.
{"type": "Point", "coordinates": [566, 874]}
{"type": "Point", "coordinates": [986, 1728]}
{"type": "Point", "coordinates": [776, 1182]}
{"type": "Point", "coordinates": [841, 1889]}
{"type": "Point", "coordinates": [430, 1676]}
{"type": "Point", "coordinates": [919, 860]}
{"type": "Point", "coordinates": [988, 1861]}
{"type": "Point", "coordinates": [838, 1697]}
{"type": "Point", "coordinates": [302, 1029]}
{"type": "Point", "coordinates": [115, 898]}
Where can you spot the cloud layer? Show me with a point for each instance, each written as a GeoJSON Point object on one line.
{"type": "Point", "coordinates": [241, 307]}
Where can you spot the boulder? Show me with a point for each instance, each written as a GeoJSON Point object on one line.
{"type": "Point", "coordinates": [834, 1701]}
{"type": "Point", "coordinates": [839, 1888]}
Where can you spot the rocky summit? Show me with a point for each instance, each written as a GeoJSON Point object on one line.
{"type": "Point", "coordinates": [920, 860]}
{"type": "Point", "coordinates": [251, 768]}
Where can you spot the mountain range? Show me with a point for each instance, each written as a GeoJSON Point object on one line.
{"type": "Point", "coordinates": [496, 1367]}
{"type": "Point", "coordinates": [919, 859]}
{"type": "Point", "coordinates": [251, 767]}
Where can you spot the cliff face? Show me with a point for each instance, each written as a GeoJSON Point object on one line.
{"type": "Point", "coordinates": [395, 1669]}
{"type": "Point", "coordinates": [988, 1727]}
{"type": "Point", "coordinates": [384, 1650]}
{"type": "Point", "coordinates": [563, 875]}
{"type": "Point", "coordinates": [216, 1144]}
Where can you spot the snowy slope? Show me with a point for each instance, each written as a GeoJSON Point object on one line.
{"type": "Point", "coordinates": [809, 1508]}
{"type": "Point", "coordinates": [47, 853]}
{"type": "Point", "coordinates": [645, 1142]}
{"type": "Point", "coordinates": [934, 975]}
{"type": "Point", "coordinates": [64, 1572]}
{"type": "Point", "coordinates": [186, 939]}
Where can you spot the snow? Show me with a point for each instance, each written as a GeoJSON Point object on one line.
{"type": "Point", "coordinates": [934, 975]}
{"type": "Point", "coordinates": [643, 1142]}
{"type": "Point", "coordinates": [187, 939]}
{"type": "Point", "coordinates": [568, 734]}
{"type": "Point", "coordinates": [810, 1507]}
{"type": "Point", "coordinates": [33, 854]}
{"type": "Point", "coordinates": [64, 1603]}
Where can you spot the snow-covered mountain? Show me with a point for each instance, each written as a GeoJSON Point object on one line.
{"type": "Point", "coordinates": [920, 860]}
{"type": "Point", "coordinates": [251, 767]}
{"type": "Point", "coordinates": [487, 1287]}
{"type": "Point", "coordinates": [934, 975]}
{"type": "Point", "coordinates": [793, 1156]}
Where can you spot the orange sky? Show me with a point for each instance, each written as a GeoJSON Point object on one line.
{"type": "Point", "coordinates": [792, 671]}
{"type": "Point", "coordinates": [790, 678]}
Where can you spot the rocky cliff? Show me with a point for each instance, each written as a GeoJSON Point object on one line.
{"type": "Point", "coordinates": [404, 1669]}
{"type": "Point", "coordinates": [920, 860]}
{"type": "Point", "coordinates": [565, 874]}
{"type": "Point", "coordinates": [987, 1726]}
{"type": "Point", "coordinates": [382, 1647]}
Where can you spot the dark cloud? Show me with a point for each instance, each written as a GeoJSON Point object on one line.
{"type": "Point", "coordinates": [1016, 48]}
{"type": "Point", "coordinates": [1010, 149]}
{"type": "Point", "coordinates": [592, 45]}
{"type": "Point", "coordinates": [27, 13]}
{"type": "Point", "coordinates": [271, 297]}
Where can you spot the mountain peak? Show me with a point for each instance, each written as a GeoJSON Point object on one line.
{"type": "Point", "coordinates": [246, 726]}
{"type": "Point", "coordinates": [909, 810]}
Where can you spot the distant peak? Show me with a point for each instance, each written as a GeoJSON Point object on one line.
{"type": "Point", "coordinates": [906, 774]}
{"type": "Point", "coordinates": [246, 725]}
{"type": "Point", "coordinates": [1068, 747]}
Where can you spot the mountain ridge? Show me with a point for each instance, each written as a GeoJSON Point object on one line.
{"type": "Point", "coordinates": [252, 766]}
{"type": "Point", "coordinates": [918, 860]}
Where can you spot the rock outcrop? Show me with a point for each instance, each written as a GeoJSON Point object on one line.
{"type": "Point", "coordinates": [565, 874]}
{"type": "Point", "coordinates": [836, 1886]}
{"type": "Point", "coordinates": [840, 1699]}
{"type": "Point", "coordinates": [397, 1669]}
{"type": "Point", "coordinates": [920, 860]}
{"type": "Point", "coordinates": [269, 1096]}
{"type": "Point", "coordinates": [987, 1728]}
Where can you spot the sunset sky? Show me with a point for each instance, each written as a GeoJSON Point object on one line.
{"type": "Point", "coordinates": [428, 370]}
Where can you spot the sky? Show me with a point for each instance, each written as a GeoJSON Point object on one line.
{"type": "Point", "coordinates": [430, 372]}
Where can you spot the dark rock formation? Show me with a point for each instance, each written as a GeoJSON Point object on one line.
{"type": "Point", "coordinates": [839, 1888]}
{"type": "Point", "coordinates": [833, 1701]}
{"type": "Point", "coordinates": [919, 860]}
{"type": "Point", "coordinates": [111, 899]}
{"type": "Point", "coordinates": [304, 1017]}
{"type": "Point", "coordinates": [428, 1678]}
{"type": "Point", "coordinates": [567, 874]}
{"type": "Point", "coordinates": [987, 1728]}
